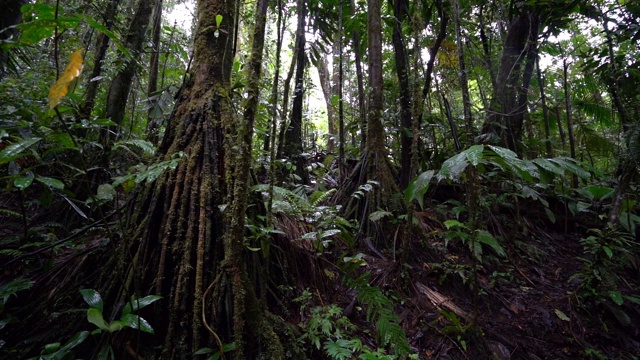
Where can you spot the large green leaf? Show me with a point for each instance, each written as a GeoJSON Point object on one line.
{"type": "Point", "coordinates": [485, 237]}
{"type": "Point", "coordinates": [51, 182]}
{"type": "Point", "coordinates": [23, 182]}
{"type": "Point", "coordinates": [475, 154]}
{"type": "Point", "coordinates": [92, 298]}
{"type": "Point", "coordinates": [137, 304]}
{"type": "Point", "coordinates": [453, 167]}
{"type": "Point", "coordinates": [63, 139]}
{"type": "Point", "coordinates": [94, 316]}
{"type": "Point", "coordinates": [136, 322]}
{"type": "Point", "coordinates": [571, 165]}
{"type": "Point", "coordinates": [16, 150]}
{"type": "Point", "coordinates": [418, 187]}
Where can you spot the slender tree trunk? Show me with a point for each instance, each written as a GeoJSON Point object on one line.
{"type": "Point", "coordinates": [9, 16]}
{"type": "Point", "coordinates": [374, 164]}
{"type": "Point", "coordinates": [152, 126]}
{"type": "Point", "coordinates": [486, 48]}
{"type": "Point", "coordinates": [273, 100]}
{"type": "Point", "coordinates": [545, 110]}
{"type": "Point", "coordinates": [293, 136]}
{"type": "Point", "coordinates": [249, 320]}
{"type": "Point", "coordinates": [338, 80]}
{"type": "Point", "coordinates": [362, 118]}
{"type": "Point", "coordinates": [102, 45]}
{"type": "Point", "coordinates": [567, 102]}
{"type": "Point", "coordinates": [400, 55]}
{"type": "Point", "coordinates": [505, 120]}
{"type": "Point", "coordinates": [327, 91]}
{"type": "Point", "coordinates": [285, 107]}
{"type": "Point", "coordinates": [464, 81]}
{"type": "Point", "coordinates": [121, 83]}
{"type": "Point", "coordinates": [563, 138]}
{"type": "Point", "coordinates": [433, 51]}
{"type": "Point", "coordinates": [336, 86]}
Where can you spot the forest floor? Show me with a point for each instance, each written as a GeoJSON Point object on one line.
{"type": "Point", "coordinates": [547, 299]}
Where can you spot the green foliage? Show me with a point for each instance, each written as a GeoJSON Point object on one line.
{"type": "Point", "coordinates": [329, 330]}
{"type": "Point", "coordinates": [488, 157]}
{"type": "Point", "coordinates": [327, 225]}
{"type": "Point", "coordinates": [214, 354]}
{"type": "Point", "coordinates": [455, 327]}
{"type": "Point", "coordinates": [607, 254]}
{"type": "Point", "coordinates": [380, 309]}
{"type": "Point", "coordinates": [54, 351]}
{"type": "Point", "coordinates": [10, 289]}
{"type": "Point", "coordinates": [475, 239]}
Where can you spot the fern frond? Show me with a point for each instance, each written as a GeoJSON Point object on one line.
{"type": "Point", "coordinates": [11, 252]}
{"type": "Point", "coordinates": [322, 197]}
{"type": "Point", "coordinates": [11, 213]}
{"type": "Point", "coordinates": [380, 310]}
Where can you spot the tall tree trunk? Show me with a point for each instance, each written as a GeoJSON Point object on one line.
{"type": "Point", "coordinates": [338, 81]}
{"type": "Point", "coordinates": [400, 55]}
{"type": "Point", "coordinates": [285, 107]}
{"type": "Point", "coordinates": [152, 126]}
{"type": "Point", "coordinates": [563, 138]}
{"type": "Point", "coordinates": [293, 136]}
{"type": "Point", "coordinates": [182, 246]}
{"type": "Point", "coordinates": [505, 120]}
{"type": "Point", "coordinates": [433, 51]}
{"type": "Point", "coordinates": [327, 91]}
{"type": "Point", "coordinates": [545, 110]}
{"type": "Point", "coordinates": [486, 48]}
{"type": "Point", "coordinates": [567, 102]}
{"type": "Point", "coordinates": [362, 114]}
{"type": "Point", "coordinates": [273, 100]}
{"type": "Point", "coordinates": [336, 84]}
{"type": "Point", "coordinates": [464, 80]}
{"type": "Point", "coordinates": [627, 168]}
{"type": "Point", "coordinates": [102, 45]}
{"type": "Point", "coordinates": [374, 164]}
{"type": "Point", "coordinates": [121, 84]}
{"type": "Point", "coordinates": [9, 16]}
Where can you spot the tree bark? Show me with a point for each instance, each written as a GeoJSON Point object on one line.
{"type": "Point", "coordinates": [545, 110]}
{"type": "Point", "coordinates": [9, 16]}
{"type": "Point", "coordinates": [102, 45]}
{"type": "Point", "coordinates": [293, 135]}
{"type": "Point", "coordinates": [400, 55]}
{"type": "Point", "coordinates": [182, 245]}
{"type": "Point", "coordinates": [152, 126]}
{"type": "Point", "coordinates": [121, 83]}
{"type": "Point", "coordinates": [327, 91]}
{"type": "Point", "coordinates": [506, 113]}
{"type": "Point", "coordinates": [567, 102]}
{"type": "Point", "coordinates": [362, 119]}
{"type": "Point", "coordinates": [374, 164]}
{"type": "Point", "coordinates": [464, 80]}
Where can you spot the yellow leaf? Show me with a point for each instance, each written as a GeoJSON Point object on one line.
{"type": "Point", "coordinates": [448, 55]}
{"type": "Point", "coordinates": [71, 73]}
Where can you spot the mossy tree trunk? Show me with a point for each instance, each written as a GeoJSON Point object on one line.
{"type": "Point", "coordinates": [292, 147]}
{"type": "Point", "coordinates": [121, 83]}
{"type": "Point", "coordinates": [400, 9]}
{"type": "Point", "coordinates": [506, 112]}
{"type": "Point", "coordinates": [374, 164]}
{"type": "Point", "coordinates": [101, 47]}
{"type": "Point", "coordinates": [186, 242]}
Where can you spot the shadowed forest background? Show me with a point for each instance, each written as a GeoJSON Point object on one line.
{"type": "Point", "coordinates": [324, 179]}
